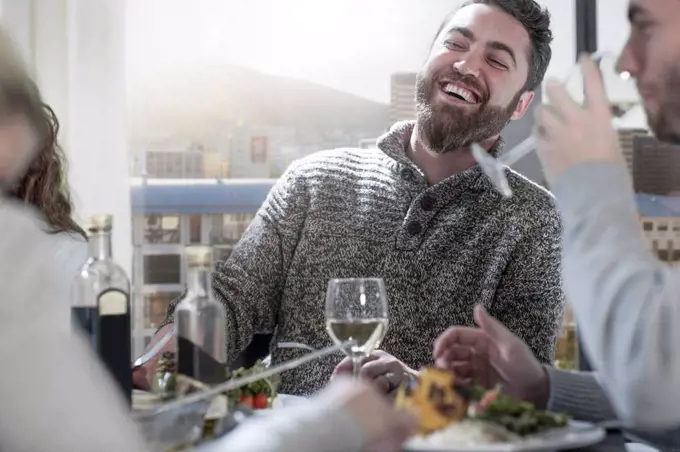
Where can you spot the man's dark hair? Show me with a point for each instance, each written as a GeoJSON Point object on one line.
{"type": "Point", "coordinates": [536, 21]}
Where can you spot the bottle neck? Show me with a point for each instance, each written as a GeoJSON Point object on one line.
{"type": "Point", "coordinates": [100, 245]}
{"type": "Point", "coordinates": [199, 281]}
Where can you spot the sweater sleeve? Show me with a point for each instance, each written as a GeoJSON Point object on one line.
{"type": "Point", "coordinates": [580, 395]}
{"type": "Point", "coordinates": [250, 282]}
{"type": "Point", "coordinates": [626, 302]}
{"type": "Point", "coordinates": [532, 284]}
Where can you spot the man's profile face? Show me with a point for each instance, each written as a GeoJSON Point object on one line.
{"type": "Point", "coordinates": [472, 83]}
{"type": "Point", "coordinates": [652, 56]}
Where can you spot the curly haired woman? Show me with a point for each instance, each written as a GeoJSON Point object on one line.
{"type": "Point", "coordinates": [29, 150]}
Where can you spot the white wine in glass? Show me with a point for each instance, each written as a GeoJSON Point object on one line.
{"type": "Point", "coordinates": [356, 309]}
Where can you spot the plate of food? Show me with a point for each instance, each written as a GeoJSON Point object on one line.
{"type": "Point", "coordinates": [456, 419]}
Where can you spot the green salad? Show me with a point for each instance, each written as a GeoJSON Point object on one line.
{"type": "Point", "coordinates": [257, 395]}
{"type": "Point", "coordinates": [521, 418]}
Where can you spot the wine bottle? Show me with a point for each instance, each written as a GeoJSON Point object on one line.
{"type": "Point", "coordinates": [100, 308]}
{"type": "Point", "coordinates": [200, 323]}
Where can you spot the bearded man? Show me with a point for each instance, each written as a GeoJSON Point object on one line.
{"type": "Point", "coordinates": [416, 212]}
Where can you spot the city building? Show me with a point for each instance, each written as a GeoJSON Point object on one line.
{"type": "Point", "coordinates": [185, 162]}
{"type": "Point", "coordinates": [403, 96]}
{"type": "Point", "coordinates": [655, 168]}
{"type": "Point", "coordinates": [660, 221]}
{"type": "Point", "coordinates": [169, 215]}
{"type": "Point", "coordinates": [258, 151]}
{"type": "Point", "coordinates": [627, 143]}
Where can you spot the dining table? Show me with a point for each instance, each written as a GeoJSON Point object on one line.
{"type": "Point", "coordinates": [614, 440]}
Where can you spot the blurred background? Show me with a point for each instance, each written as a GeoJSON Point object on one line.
{"type": "Point", "coordinates": [177, 115]}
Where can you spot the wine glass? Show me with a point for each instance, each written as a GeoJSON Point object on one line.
{"type": "Point", "coordinates": [356, 309]}
{"type": "Point", "coordinates": [623, 96]}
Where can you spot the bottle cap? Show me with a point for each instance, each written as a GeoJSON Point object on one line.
{"type": "Point", "coordinates": [99, 224]}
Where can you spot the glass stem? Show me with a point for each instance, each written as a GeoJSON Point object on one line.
{"type": "Point", "coordinates": [356, 367]}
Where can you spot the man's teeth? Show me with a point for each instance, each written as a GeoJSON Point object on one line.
{"type": "Point", "coordinates": [457, 91]}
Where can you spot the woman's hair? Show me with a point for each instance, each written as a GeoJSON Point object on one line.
{"type": "Point", "coordinates": [44, 184]}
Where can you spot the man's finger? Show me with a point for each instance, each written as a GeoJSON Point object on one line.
{"type": "Point", "coordinates": [463, 353]}
{"type": "Point", "coordinates": [496, 331]}
{"type": "Point", "coordinates": [463, 369]}
{"type": "Point", "coordinates": [593, 85]}
{"type": "Point", "coordinates": [140, 379]}
{"type": "Point", "coordinates": [549, 121]}
{"type": "Point", "coordinates": [347, 365]}
{"type": "Point", "coordinates": [374, 369]}
{"type": "Point", "coordinates": [560, 99]}
{"type": "Point", "coordinates": [457, 336]}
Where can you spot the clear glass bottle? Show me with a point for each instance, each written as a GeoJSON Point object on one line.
{"type": "Point", "coordinates": [200, 323]}
{"type": "Point", "coordinates": [100, 296]}
{"type": "Point", "coordinates": [566, 353]}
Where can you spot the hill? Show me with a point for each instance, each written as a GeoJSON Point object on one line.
{"type": "Point", "coordinates": [201, 103]}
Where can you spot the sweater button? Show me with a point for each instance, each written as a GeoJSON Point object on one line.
{"type": "Point", "coordinates": [407, 174]}
{"type": "Point", "coordinates": [427, 203]}
{"type": "Point", "coordinates": [414, 228]}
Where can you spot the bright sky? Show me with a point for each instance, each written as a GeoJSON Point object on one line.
{"type": "Point", "coordinates": [351, 45]}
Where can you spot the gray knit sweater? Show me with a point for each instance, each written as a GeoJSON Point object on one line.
{"type": "Point", "coordinates": [441, 250]}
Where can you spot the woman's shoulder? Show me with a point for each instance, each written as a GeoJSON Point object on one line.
{"type": "Point", "coordinates": [72, 250]}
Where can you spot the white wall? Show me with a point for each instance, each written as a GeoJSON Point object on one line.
{"type": "Point", "coordinates": [76, 49]}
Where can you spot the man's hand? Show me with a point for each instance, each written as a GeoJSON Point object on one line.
{"type": "Point", "coordinates": [570, 134]}
{"type": "Point", "coordinates": [383, 369]}
{"type": "Point", "coordinates": [385, 427]}
{"type": "Point", "coordinates": [492, 355]}
{"type": "Point", "coordinates": [142, 376]}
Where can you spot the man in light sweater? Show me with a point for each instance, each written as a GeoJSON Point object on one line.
{"type": "Point", "coordinates": [626, 302]}
{"type": "Point", "coordinates": [491, 355]}
{"type": "Point", "coordinates": [417, 211]}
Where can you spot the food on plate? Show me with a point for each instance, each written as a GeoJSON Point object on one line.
{"type": "Point", "coordinates": [168, 384]}
{"type": "Point", "coordinates": [165, 380]}
{"type": "Point", "coordinates": [256, 396]}
{"type": "Point", "coordinates": [446, 410]}
{"type": "Point", "coordinates": [521, 418]}
{"type": "Point", "coordinates": [434, 399]}
{"type": "Point", "coordinates": [466, 433]}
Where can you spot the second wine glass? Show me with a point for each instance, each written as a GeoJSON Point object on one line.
{"type": "Point", "coordinates": [356, 309]}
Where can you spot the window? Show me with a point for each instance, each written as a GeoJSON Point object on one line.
{"type": "Point", "coordinates": [648, 226]}
{"type": "Point", "coordinates": [663, 255]}
{"type": "Point", "coordinates": [162, 269]}
{"type": "Point", "coordinates": [227, 229]}
{"type": "Point", "coordinates": [676, 256]}
{"type": "Point", "coordinates": [156, 306]}
{"type": "Point", "coordinates": [194, 229]}
{"type": "Point", "coordinates": [662, 227]}
{"type": "Point", "coordinates": [162, 229]}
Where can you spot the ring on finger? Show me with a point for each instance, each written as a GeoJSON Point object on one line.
{"type": "Point", "coordinates": [393, 381]}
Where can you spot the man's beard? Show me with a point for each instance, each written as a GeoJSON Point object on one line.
{"type": "Point", "coordinates": [666, 124]}
{"type": "Point", "coordinates": [446, 127]}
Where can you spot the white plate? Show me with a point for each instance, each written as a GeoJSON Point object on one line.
{"type": "Point", "coordinates": [576, 435]}
{"type": "Point", "coordinates": [286, 400]}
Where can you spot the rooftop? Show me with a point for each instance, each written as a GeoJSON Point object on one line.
{"type": "Point", "coordinates": [216, 196]}
{"type": "Point", "coordinates": [198, 196]}
{"type": "Point", "coordinates": [658, 206]}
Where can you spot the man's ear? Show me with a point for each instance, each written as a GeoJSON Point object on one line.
{"type": "Point", "coordinates": [523, 104]}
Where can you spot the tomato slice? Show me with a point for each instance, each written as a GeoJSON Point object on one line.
{"type": "Point", "coordinates": [260, 402]}
{"type": "Point", "coordinates": [246, 400]}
